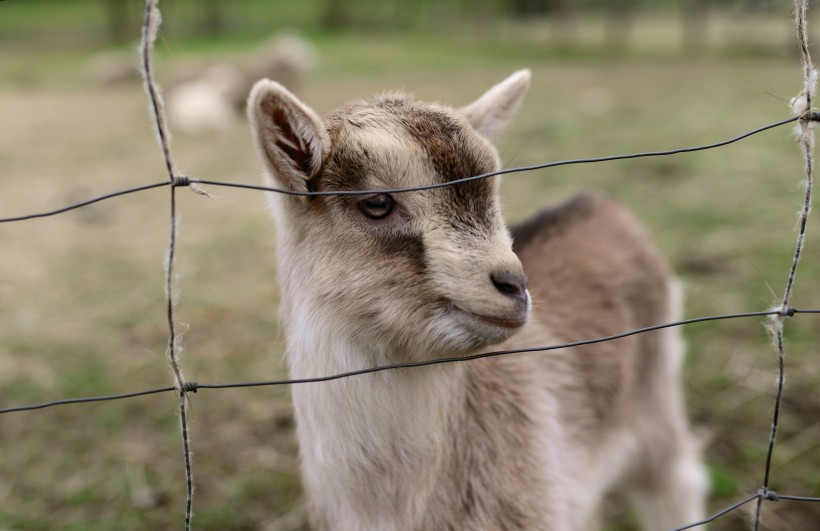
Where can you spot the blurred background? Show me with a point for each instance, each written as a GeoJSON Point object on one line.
{"type": "Point", "coordinates": [81, 296]}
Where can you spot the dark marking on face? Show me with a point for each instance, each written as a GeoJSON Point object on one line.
{"type": "Point", "coordinates": [409, 247]}
{"type": "Point", "coordinates": [346, 170]}
{"type": "Point", "coordinates": [455, 153]}
{"type": "Point", "coordinates": [453, 149]}
{"type": "Point", "coordinates": [343, 169]}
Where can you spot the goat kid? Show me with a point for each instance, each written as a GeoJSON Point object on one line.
{"type": "Point", "coordinates": [530, 441]}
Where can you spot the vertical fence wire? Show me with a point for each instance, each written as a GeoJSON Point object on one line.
{"type": "Point", "coordinates": [150, 27]}
{"type": "Point", "coordinates": [802, 105]}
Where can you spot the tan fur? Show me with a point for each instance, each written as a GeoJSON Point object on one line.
{"type": "Point", "coordinates": [529, 441]}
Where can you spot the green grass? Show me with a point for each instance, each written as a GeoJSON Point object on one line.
{"type": "Point", "coordinates": [81, 303]}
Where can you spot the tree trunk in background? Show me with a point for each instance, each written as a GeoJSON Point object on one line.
{"type": "Point", "coordinates": [695, 23]}
{"type": "Point", "coordinates": [527, 8]}
{"type": "Point", "coordinates": [335, 15]}
{"type": "Point", "coordinates": [212, 20]}
{"type": "Point", "coordinates": [117, 20]}
{"type": "Point", "coordinates": [618, 23]}
{"type": "Point", "coordinates": [565, 28]}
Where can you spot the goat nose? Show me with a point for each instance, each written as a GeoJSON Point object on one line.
{"type": "Point", "coordinates": [513, 285]}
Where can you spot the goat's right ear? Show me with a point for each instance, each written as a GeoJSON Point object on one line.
{"type": "Point", "coordinates": [290, 137]}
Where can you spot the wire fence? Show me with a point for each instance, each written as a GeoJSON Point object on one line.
{"type": "Point", "coordinates": [805, 116]}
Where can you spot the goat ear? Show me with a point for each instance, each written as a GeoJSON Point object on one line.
{"type": "Point", "coordinates": [491, 113]}
{"type": "Point", "coordinates": [290, 137]}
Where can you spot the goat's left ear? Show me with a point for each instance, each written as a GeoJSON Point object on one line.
{"type": "Point", "coordinates": [290, 137]}
{"type": "Point", "coordinates": [491, 113]}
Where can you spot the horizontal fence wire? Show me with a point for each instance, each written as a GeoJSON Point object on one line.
{"type": "Point", "coordinates": [777, 316]}
{"type": "Point", "coordinates": [720, 513]}
{"type": "Point", "coordinates": [769, 495]}
{"type": "Point", "coordinates": [190, 386]}
{"type": "Point", "coordinates": [187, 181]}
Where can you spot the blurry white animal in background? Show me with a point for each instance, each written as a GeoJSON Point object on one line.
{"type": "Point", "coordinates": [112, 67]}
{"type": "Point", "coordinates": [285, 57]}
{"type": "Point", "coordinates": [215, 99]}
{"type": "Point", "coordinates": [205, 103]}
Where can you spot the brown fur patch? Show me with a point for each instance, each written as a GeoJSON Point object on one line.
{"type": "Point", "coordinates": [451, 147]}
{"type": "Point", "coordinates": [550, 221]}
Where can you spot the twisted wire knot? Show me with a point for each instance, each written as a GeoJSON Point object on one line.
{"type": "Point", "coordinates": [181, 180]}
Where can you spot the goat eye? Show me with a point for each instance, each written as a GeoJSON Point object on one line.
{"type": "Point", "coordinates": [377, 206]}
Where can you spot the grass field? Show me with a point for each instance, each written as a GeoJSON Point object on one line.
{"type": "Point", "coordinates": [82, 302]}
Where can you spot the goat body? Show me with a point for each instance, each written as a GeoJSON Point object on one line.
{"type": "Point", "coordinates": [528, 441]}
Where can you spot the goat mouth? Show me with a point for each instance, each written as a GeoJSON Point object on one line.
{"type": "Point", "coordinates": [501, 322]}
